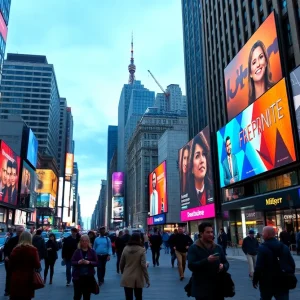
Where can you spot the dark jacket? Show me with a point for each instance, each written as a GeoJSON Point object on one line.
{"type": "Point", "coordinates": [69, 247]}
{"type": "Point", "coordinates": [285, 238]}
{"type": "Point", "coordinates": [120, 245]}
{"type": "Point", "coordinates": [205, 274]}
{"type": "Point", "coordinates": [39, 243]}
{"type": "Point", "coordinates": [222, 239]}
{"type": "Point", "coordinates": [267, 266]}
{"type": "Point", "coordinates": [51, 254]}
{"type": "Point", "coordinates": [250, 245]}
{"type": "Point", "coordinates": [155, 241]}
{"type": "Point", "coordinates": [181, 241]}
{"type": "Point", "coordinates": [171, 242]}
{"type": "Point", "coordinates": [126, 238]}
{"type": "Point", "coordinates": [77, 256]}
{"type": "Point", "coordinates": [10, 245]}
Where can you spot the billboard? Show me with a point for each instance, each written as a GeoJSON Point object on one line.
{"type": "Point", "coordinates": [20, 217]}
{"type": "Point", "coordinates": [257, 140]}
{"type": "Point", "coordinates": [60, 191]}
{"type": "Point", "coordinates": [47, 182]}
{"type": "Point", "coordinates": [295, 83]}
{"type": "Point", "coordinates": [28, 187]}
{"type": "Point", "coordinates": [3, 28]}
{"type": "Point", "coordinates": [9, 174]}
{"type": "Point", "coordinates": [45, 220]}
{"type": "Point", "coordinates": [158, 199]}
{"type": "Point", "coordinates": [118, 208]}
{"type": "Point", "coordinates": [195, 172]}
{"type": "Point", "coordinates": [32, 148]}
{"type": "Point", "coordinates": [118, 184]}
{"type": "Point", "coordinates": [254, 70]}
{"type": "Point", "coordinates": [69, 164]}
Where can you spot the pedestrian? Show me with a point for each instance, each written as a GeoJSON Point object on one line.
{"type": "Point", "coordinates": [113, 238]}
{"type": "Point", "coordinates": [134, 269]}
{"type": "Point", "coordinates": [292, 239]}
{"type": "Point", "coordinates": [23, 260]}
{"type": "Point", "coordinates": [39, 243]}
{"type": "Point", "coordinates": [146, 241]}
{"type": "Point", "coordinates": [165, 238]}
{"type": "Point", "coordinates": [172, 245]}
{"type": "Point", "coordinates": [155, 244]}
{"type": "Point", "coordinates": [250, 247]}
{"type": "Point", "coordinates": [284, 237]}
{"type": "Point", "coordinates": [298, 242]}
{"type": "Point", "coordinates": [102, 246]}
{"type": "Point", "coordinates": [181, 245]}
{"type": "Point", "coordinates": [50, 259]}
{"type": "Point", "coordinates": [92, 237]}
{"type": "Point", "coordinates": [222, 240]}
{"type": "Point", "coordinates": [126, 236]}
{"type": "Point", "coordinates": [120, 245]}
{"type": "Point", "coordinates": [272, 258]}
{"type": "Point", "coordinates": [8, 248]}
{"type": "Point", "coordinates": [207, 263]}
{"type": "Point", "coordinates": [69, 247]}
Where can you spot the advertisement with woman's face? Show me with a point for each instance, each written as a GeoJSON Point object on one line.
{"type": "Point", "coordinates": [254, 70]}
{"type": "Point", "coordinates": [196, 181]}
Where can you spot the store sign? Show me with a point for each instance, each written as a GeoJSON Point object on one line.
{"type": "Point", "coordinates": [159, 219]}
{"type": "Point", "coordinates": [273, 201]}
{"type": "Point", "coordinates": [198, 213]}
{"type": "Point", "coordinates": [291, 217]}
{"type": "Point", "coordinates": [150, 221]}
{"type": "Point", "coordinates": [251, 215]}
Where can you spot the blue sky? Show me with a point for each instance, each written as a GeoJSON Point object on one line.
{"type": "Point", "coordinates": [88, 42]}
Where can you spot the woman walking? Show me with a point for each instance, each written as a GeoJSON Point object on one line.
{"type": "Point", "coordinates": [84, 261]}
{"type": "Point", "coordinates": [23, 260]}
{"type": "Point", "coordinates": [133, 268]}
{"type": "Point", "coordinates": [52, 248]}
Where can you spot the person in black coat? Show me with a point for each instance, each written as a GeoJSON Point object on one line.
{"type": "Point", "coordinates": [222, 240]}
{"type": "Point", "coordinates": [155, 243]}
{"type": "Point", "coordinates": [52, 248]}
{"type": "Point", "coordinates": [126, 237]}
{"type": "Point", "coordinates": [120, 245]}
{"type": "Point", "coordinates": [39, 243]}
{"type": "Point", "coordinates": [92, 237]}
{"type": "Point", "coordinates": [207, 262]}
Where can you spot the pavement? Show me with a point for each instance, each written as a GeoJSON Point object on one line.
{"type": "Point", "coordinates": [164, 280]}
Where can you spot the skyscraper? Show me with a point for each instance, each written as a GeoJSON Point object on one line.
{"type": "Point", "coordinates": [112, 142]}
{"type": "Point", "coordinates": [4, 17]}
{"type": "Point", "coordinates": [29, 89]}
{"type": "Point", "coordinates": [62, 136]}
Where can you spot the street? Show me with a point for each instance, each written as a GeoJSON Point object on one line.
{"type": "Point", "coordinates": [164, 283]}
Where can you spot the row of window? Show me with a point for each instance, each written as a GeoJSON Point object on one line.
{"type": "Point", "coordinates": [5, 81]}
{"type": "Point", "coordinates": [23, 89]}
{"type": "Point", "coordinates": [34, 68]}
{"type": "Point", "coordinates": [22, 78]}
{"type": "Point", "coordinates": [15, 72]}
{"type": "Point", "coordinates": [25, 95]}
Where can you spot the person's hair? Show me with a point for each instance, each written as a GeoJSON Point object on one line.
{"type": "Point", "coordinates": [14, 166]}
{"type": "Point", "coordinates": [84, 237]}
{"type": "Point", "coordinates": [155, 230]}
{"type": "Point", "coordinates": [202, 142]}
{"type": "Point", "coordinates": [267, 75]}
{"type": "Point", "coordinates": [92, 232]}
{"type": "Point", "coordinates": [25, 239]}
{"type": "Point", "coordinates": [38, 232]}
{"type": "Point", "coordinates": [135, 239]}
{"type": "Point", "coordinates": [126, 231]}
{"type": "Point", "coordinates": [227, 139]}
{"type": "Point", "coordinates": [175, 230]}
{"type": "Point", "coordinates": [52, 234]}
{"type": "Point", "coordinates": [204, 225]}
{"type": "Point", "coordinates": [188, 148]}
{"type": "Point", "coordinates": [120, 233]}
{"type": "Point", "coordinates": [74, 230]}
{"type": "Point", "coordinates": [222, 230]}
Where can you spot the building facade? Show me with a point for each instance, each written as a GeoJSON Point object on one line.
{"type": "Point", "coordinates": [29, 89]}
{"type": "Point", "coordinates": [62, 136]}
{"type": "Point", "coordinates": [142, 158]}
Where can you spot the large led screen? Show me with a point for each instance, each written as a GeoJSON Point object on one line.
{"type": "Point", "coordinates": [32, 148]}
{"type": "Point", "coordinates": [295, 82]}
{"type": "Point", "coordinates": [60, 191]}
{"type": "Point", "coordinates": [9, 174]}
{"type": "Point", "coordinates": [118, 184]}
{"type": "Point", "coordinates": [254, 70]}
{"type": "Point", "coordinates": [69, 164]}
{"type": "Point", "coordinates": [47, 182]}
{"type": "Point", "coordinates": [118, 208]}
{"type": "Point", "coordinates": [259, 139]}
{"type": "Point", "coordinates": [158, 190]}
{"type": "Point", "coordinates": [196, 178]}
{"type": "Point", "coordinates": [20, 217]}
{"type": "Point", "coordinates": [28, 186]}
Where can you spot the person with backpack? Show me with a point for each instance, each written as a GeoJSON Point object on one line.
{"type": "Point", "coordinates": [275, 268]}
{"type": "Point", "coordinates": [103, 248]}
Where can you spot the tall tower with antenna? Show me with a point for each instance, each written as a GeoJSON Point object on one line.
{"type": "Point", "coordinates": [131, 67]}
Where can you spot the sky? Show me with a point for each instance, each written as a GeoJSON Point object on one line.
{"type": "Point", "coordinates": [88, 42]}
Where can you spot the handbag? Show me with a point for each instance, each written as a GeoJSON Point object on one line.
{"type": "Point", "coordinates": [38, 282]}
{"type": "Point", "coordinates": [227, 284]}
{"type": "Point", "coordinates": [95, 287]}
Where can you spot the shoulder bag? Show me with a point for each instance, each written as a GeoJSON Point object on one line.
{"type": "Point", "coordinates": [37, 281]}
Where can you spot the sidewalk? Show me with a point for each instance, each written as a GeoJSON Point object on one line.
{"type": "Point", "coordinates": [237, 253]}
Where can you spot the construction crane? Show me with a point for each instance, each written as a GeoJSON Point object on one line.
{"type": "Point", "coordinates": [167, 94]}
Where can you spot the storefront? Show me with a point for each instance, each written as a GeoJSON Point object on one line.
{"type": "Point", "coordinates": [280, 209]}
{"type": "Point", "coordinates": [160, 222]}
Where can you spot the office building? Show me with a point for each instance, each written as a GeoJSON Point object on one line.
{"type": "Point", "coordinates": [70, 144]}
{"type": "Point", "coordinates": [75, 179]}
{"type": "Point", "coordinates": [214, 33]}
{"type": "Point", "coordinates": [112, 142]}
{"type": "Point", "coordinates": [62, 136]}
{"type": "Point", "coordinates": [29, 89]}
{"type": "Point", "coordinates": [142, 158]}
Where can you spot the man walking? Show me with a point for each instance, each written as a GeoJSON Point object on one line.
{"type": "Point", "coordinates": [69, 247]}
{"type": "Point", "coordinates": [8, 248]}
{"type": "Point", "coordinates": [155, 243]}
{"type": "Point", "coordinates": [102, 246]}
{"type": "Point", "coordinates": [172, 245]}
{"type": "Point", "coordinates": [285, 237]}
{"type": "Point", "coordinates": [39, 243]}
{"type": "Point", "coordinates": [181, 245]}
{"type": "Point", "coordinates": [250, 248]}
{"type": "Point", "coordinates": [272, 258]}
{"type": "Point", "coordinates": [222, 240]}
{"type": "Point", "coordinates": [120, 245]}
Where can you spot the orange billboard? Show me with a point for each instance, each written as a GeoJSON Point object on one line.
{"type": "Point", "coordinates": [254, 70]}
{"type": "Point", "coordinates": [46, 182]}
{"type": "Point", "coordinates": [69, 164]}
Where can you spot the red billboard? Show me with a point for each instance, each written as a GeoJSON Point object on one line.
{"type": "Point", "coordinates": [3, 28]}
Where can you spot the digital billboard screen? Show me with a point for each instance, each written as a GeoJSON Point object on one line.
{"type": "Point", "coordinates": [257, 140]}
{"type": "Point", "coordinates": [118, 208]}
{"type": "Point", "coordinates": [9, 174]}
{"type": "Point", "coordinates": [118, 184]}
{"type": "Point", "coordinates": [32, 148]}
{"type": "Point", "coordinates": [196, 177]}
{"type": "Point", "coordinates": [45, 220]}
{"type": "Point", "coordinates": [47, 182]}
{"type": "Point", "coordinates": [254, 70]}
{"type": "Point", "coordinates": [28, 186]}
{"type": "Point", "coordinates": [20, 217]}
{"type": "Point", "coordinates": [295, 83]}
{"type": "Point", "coordinates": [69, 164]}
{"type": "Point", "coordinates": [158, 198]}
{"type": "Point", "coordinates": [60, 191]}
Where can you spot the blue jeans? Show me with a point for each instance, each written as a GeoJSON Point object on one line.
{"type": "Point", "coordinates": [68, 270]}
{"type": "Point", "coordinates": [278, 295]}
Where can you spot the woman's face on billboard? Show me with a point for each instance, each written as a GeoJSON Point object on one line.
{"type": "Point", "coordinates": [199, 163]}
{"type": "Point", "coordinates": [258, 64]}
{"type": "Point", "coordinates": [185, 161]}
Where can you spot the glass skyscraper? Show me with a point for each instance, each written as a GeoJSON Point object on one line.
{"type": "Point", "coordinates": [4, 17]}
